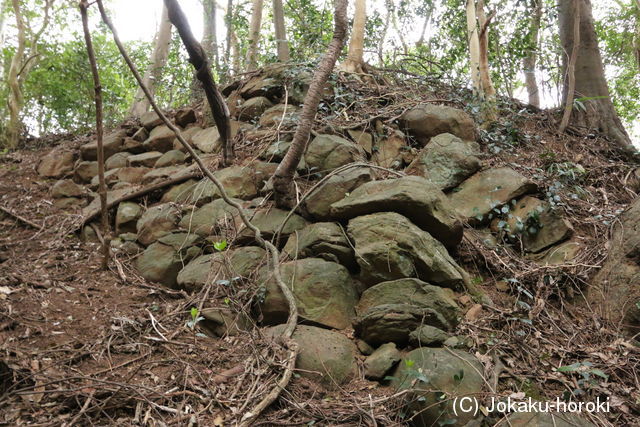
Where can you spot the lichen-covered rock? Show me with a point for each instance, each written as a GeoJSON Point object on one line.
{"type": "Point", "coordinates": [318, 202]}
{"type": "Point", "coordinates": [477, 196]}
{"type": "Point", "coordinates": [414, 197]}
{"type": "Point", "coordinates": [206, 219]}
{"type": "Point", "coordinates": [324, 292]}
{"type": "Point", "coordinates": [187, 135]}
{"type": "Point", "coordinates": [279, 114]}
{"type": "Point", "coordinates": [427, 336]}
{"type": "Point", "coordinates": [118, 160]}
{"type": "Point", "coordinates": [147, 159]}
{"type": "Point", "coordinates": [442, 372]}
{"type": "Point", "coordinates": [133, 175]}
{"type": "Point", "coordinates": [223, 322]}
{"type": "Point", "coordinates": [269, 221]}
{"type": "Point", "coordinates": [614, 292]}
{"type": "Point", "coordinates": [157, 221]}
{"type": "Point", "coordinates": [428, 120]}
{"type": "Point", "coordinates": [325, 240]}
{"type": "Point", "coordinates": [381, 361]}
{"type": "Point", "coordinates": [56, 164]}
{"type": "Point", "coordinates": [390, 247]}
{"type": "Point", "coordinates": [66, 188]}
{"type": "Point", "coordinates": [325, 357]}
{"type": "Point", "coordinates": [85, 171]}
{"type": "Point", "coordinates": [209, 141]}
{"type": "Point", "coordinates": [111, 144]}
{"type": "Point", "coordinates": [446, 161]}
{"type": "Point", "coordinates": [161, 263]}
{"type": "Point", "coordinates": [170, 158]}
{"type": "Point", "coordinates": [127, 216]}
{"type": "Point", "coordinates": [327, 152]}
{"type": "Point", "coordinates": [240, 262]}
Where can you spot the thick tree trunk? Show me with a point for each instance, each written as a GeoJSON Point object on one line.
{"type": "Point", "coordinates": [158, 61]}
{"type": "Point", "coordinates": [282, 44]}
{"type": "Point", "coordinates": [529, 62]}
{"type": "Point", "coordinates": [355, 56]}
{"type": "Point", "coordinates": [209, 37]}
{"type": "Point", "coordinates": [15, 90]}
{"type": "Point", "coordinates": [284, 190]}
{"type": "Point", "coordinates": [254, 35]}
{"type": "Point", "coordinates": [590, 81]}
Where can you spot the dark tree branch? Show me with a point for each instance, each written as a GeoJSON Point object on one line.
{"type": "Point", "coordinates": [198, 58]}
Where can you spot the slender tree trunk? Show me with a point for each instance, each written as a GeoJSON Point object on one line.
{"type": "Point", "coordinates": [529, 62]}
{"type": "Point", "coordinates": [423, 33]}
{"type": "Point", "coordinates": [478, 34]}
{"type": "Point", "coordinates": [15, 90]}
{"type": "Point", "coordinates": [254, 35]}
{"type": "Point", "coordinates": [355, 56]}
{"type": "Point", "coordinates": [158, 61]}
{"type": "Point", "coordinates": [102, 186]}
{"type": "Point", "coordinates": [394, 22]}
{"type": "Point", "coordinates": [637, 35]}
{"type": "Point", "coordinates": [284, 190]}
{"type": "Point", "coordinates": [590, 81]}
{"type": "Point", "coordinates": [282, 44]}
{"type": "Point", "coordinates": [198, 59]}
{"type": "Point", "coordinates": [209, 37]}
{"type": "Point", "coordinates": [383, 35]}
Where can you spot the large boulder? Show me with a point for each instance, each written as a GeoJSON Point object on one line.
{"type": "Point", "coordinates": [324, 292]}
{"type": "Point", "coordinates": [85, 171]}
{"type": "Point", "coordinates": [318, 202]}
{"type": "Point", "coordinates": [326, 240]}
{"type": "Point", "coordinates": [170, 158]}
{"type": "Point", "coordinates": [412, 196]}
{"type": "Point", "coordinates": [206, 219]}
{"type": "Point", "coordinates": [242, 182]}
{"type": "Point", "coordinates": [446, 161]}
{"type": "Point", "coordinates": [66, 188]}
{"type": "Point", "coordinates": [327, 152]}
{"type": "Point", "coordinates": [157, 221]}
{"type": "Point", "coordinates": [428, 120]}
{"type": "Point", "coordinates": [390, 247]}
{"type": "Point", "coordinates": [252, 108]}
{"type": "Point", "coordinates": [161, 262]}
{"type": "Point", "coordinates": [127, 216]}
{"type": "Point", "coordinates": [389, 311]}
{"type": "Point", "coordinates": [111, 144]}
{"type": "Point", "coordinates": [381, 361]}
{"type": "Point", "coordinates": [476, 197]}
{"type": "Point", "coordinates": [537, 223]}
{"type": "Point", "coordinates": [160, 139]}
{"type": "Point", "coordinates": [279, 115]}
{"type": "Point", "coordinates": [615, 292]}
{"type": "Point", "coordinates": [270, 221]}
{"type": "Point", "coordinates": [56, 164]}
{"type": "Point", "coordinates": [118, 160]}
{"type": "Point", "coordinates": [209, 141]}
{"type": "Point", "coordinates": [435, 377]}
{"type": "Point", "coordinates": [325, 357]}
{"type": "Point", "coordinates": [240, 262]}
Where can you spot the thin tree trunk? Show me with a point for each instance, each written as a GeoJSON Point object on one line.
{"type": "Point", "coordinates": [474, 46]}
{"type": "Point", "coordinates": [590, 81]}
{"type": "Point", "coordinates": [198, 59]}
{"type": "Point", "coordinates": [254, 35]}
{"type": "Point", "coordinates": [209, 37]}
{"type": "Point", "coordinates": [228, 16]}
{"type": "Point", "coordinates": [284, 190]}
{"type": "Point", "coordinates": [637, 35]}
{"type": "Point", "coordinates": [158, 61]}
{"type": "Point", "coordinates": [394, 21]}
{"type": "Point", "coordinates": [15, 90]}
{"type": "Point", "coordinates": [427, 19]}
{"type": "Point", "coordinates": [383, 35]}
{"type": "Point", "coordinates": [571, 69]}
{"type": "Point", "coordinates": [355, 56]}
{"type": "Point", "coordinates": [102, 186]}
{"type": "Point", "coordinates": [282, 44]}
{"type": "Point", "coordinates": [529, 62]}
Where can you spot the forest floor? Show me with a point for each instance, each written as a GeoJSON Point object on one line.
{"type": "Point", "coordinates": [88, 346]}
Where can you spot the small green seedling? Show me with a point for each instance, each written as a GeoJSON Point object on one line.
{"type": "Point", "coordinates": [220, 246]}
{"type": "Point", "coordinates": [195, 318]}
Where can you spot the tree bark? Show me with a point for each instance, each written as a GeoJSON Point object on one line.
{"type": "Point", "coordinates": [209, 36]}
{"type": "Point", "coordinates": [590, 81]}
{"type": "Point", "coordinates": [637, 35]}
{"type": "Point", "coordinates": [571, 69]}
{"type": "Point", "coordinates": [102, 186]}
{"type": "Point", "coordinates": [198, 59]}
{"type": "Point", "coordinates": [15, 89]}
{"type": "Point", "coordinates": [282, 44]}
{"type": "Point", "coordinates": [159, 58]}
{"type": "Point", "coordinates": [254, 35]}
{"type": "Point", "coordinates": [529, 62]}
{"type": "Point", "coordinates": [284, 190]}
{"type": "Point", "coordinates": [355, 56]}
{"type": "Point", "coordinates": [383, 34]}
